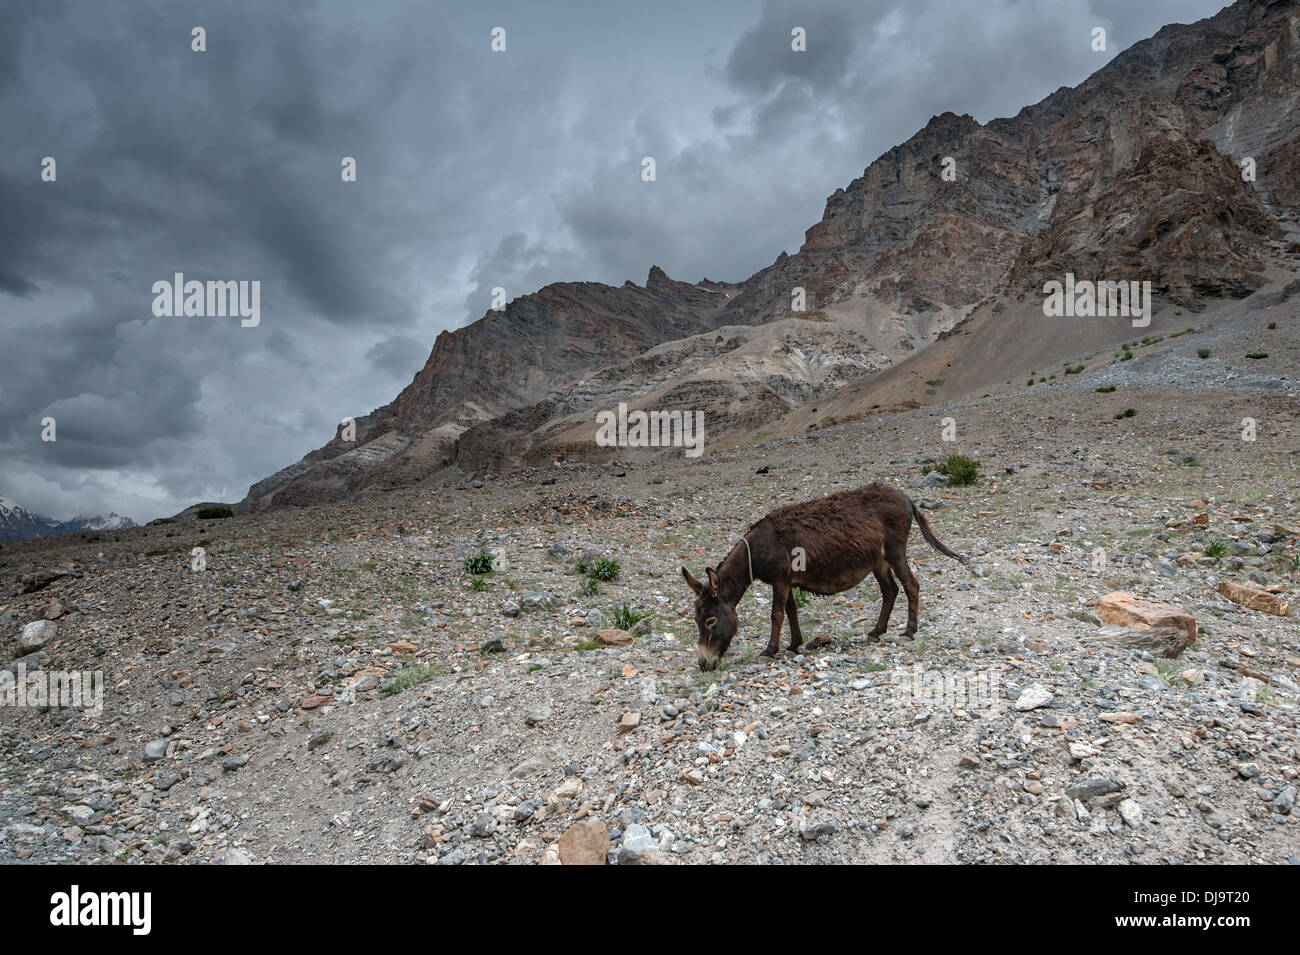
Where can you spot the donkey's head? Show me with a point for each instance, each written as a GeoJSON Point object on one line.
{"type": "Point", "coordinates": [715, 618]}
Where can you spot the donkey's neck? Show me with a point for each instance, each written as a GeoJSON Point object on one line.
{"type": "Point", "coordinates": [733, 575]}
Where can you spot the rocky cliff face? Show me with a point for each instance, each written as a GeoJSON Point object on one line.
{"type": "Point", "coordinates": [1137, 173]}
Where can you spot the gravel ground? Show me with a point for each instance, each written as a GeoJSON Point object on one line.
{"type": "Point", "coordinates": [334, 686]}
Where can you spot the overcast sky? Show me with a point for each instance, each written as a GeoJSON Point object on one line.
{"type": "Point", "coordinates": [475, 169]}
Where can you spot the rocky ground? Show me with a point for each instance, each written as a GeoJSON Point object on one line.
{"type": "Point", "coordinates": [334, 686]}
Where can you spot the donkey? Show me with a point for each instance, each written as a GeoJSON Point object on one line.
{"type": "Point", "coordinates": [825, 546]}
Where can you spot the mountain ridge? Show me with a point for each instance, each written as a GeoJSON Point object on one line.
{"type": "Point", "coordinates": [1131, 174]}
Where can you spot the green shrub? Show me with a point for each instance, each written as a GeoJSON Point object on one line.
{"type": "Point", "coordinates": [1257, 354]}
{"type": "Point", "coordinates": [213, 513]}
{"type": "Point", "coordinates": [480, 563]}
{"type": "Point", "coordinates": [1105, 389]}
{"type": "Point", "coordinates": [1126, 413]}
{"type": "Point", "coordinates": [1202, 353]}
{"type": "Point", "coordinates": [960, 469]}
{"type": "Point", "coordinates": [625, 618]}
{"type": "Point", "coordinates": [409, 677]}
{"type": "Point", "coordinates": [603, 568]}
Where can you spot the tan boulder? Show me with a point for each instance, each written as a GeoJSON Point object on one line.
{"type": "Point", "coordinates": [1124, 609]}
{"type": "Point", "coordinates": [1254, 599]}
{"type": "Point", "coordinates": [585, 843]}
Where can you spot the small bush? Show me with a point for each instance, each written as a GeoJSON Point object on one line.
{"type": "Point", "coordinates": [1105, 389]}
{"type": "Point", "coordinates": [801, 597]}
{"type": "Point", "coordinates": [960, 469]}
{"type": "Point", "coordinates": [626, 618]}
{"type": "Point", "coordinates": [1074, 369]}
{"type": "Point", "coordinates": [409, 677]}
{"type": "Point", "coordinates": [1126, 413]}
{"type": "Point", "coordinates": [1216, 550]}
{"type": "Point", "coordinates": [480, 563]}
{"type": "Point", "coordinates": [1272, 324]}
{"type": "Point", "coordinates": [213, 513]}
{"type": "Point", "coordinates": [1257, 354]}
{"type": "Point", "coordinates": [1202, 353]}
{"type": "Point", "coordinates": [603, 568]}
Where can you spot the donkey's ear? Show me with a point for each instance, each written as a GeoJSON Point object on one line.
{"type": "Point", "coordinates": [713, 580]}
{"type": "Point", "coordinates": [691, 582]}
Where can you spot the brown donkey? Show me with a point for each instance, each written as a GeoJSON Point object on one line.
{"type": "Point", "coordinates": [825, 546]}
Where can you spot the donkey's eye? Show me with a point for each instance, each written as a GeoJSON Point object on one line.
{"type": "Point", "coordinates": [710, 623]}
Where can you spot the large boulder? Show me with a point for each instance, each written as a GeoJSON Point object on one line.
{"type": "Point", "coordinates": [1127, 610]}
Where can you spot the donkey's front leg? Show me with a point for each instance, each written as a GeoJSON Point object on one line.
{"type": "Point", "coordinates": [780, 593]}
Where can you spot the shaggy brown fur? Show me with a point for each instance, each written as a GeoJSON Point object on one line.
{"type": "Point", "coordinates": [825, 546]}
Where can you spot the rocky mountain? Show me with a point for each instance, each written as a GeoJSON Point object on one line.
{"type": "Point", "coordinates": [1175, 164]}
{"type": "Point", "coordinates": [18, 523]}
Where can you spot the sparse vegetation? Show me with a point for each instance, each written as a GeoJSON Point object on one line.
{"type": "Point", "coordinates": [602, 568]}
{"type": "Point", "coordinates": [960, 469]}
{"type": "Point", "coordinates": [213, 513]}
{"type": "Point", "coordinates": [411, 676]}
{"type": "Point", "coordinates": [480, 563]}
{"type": "Point", "coordinates": [1105, 389]}
{"type": "Point", "coordinates": [626, 618]}
{"type": "Point", "coordinates": [1202, 353]}
{"type": "Point", "coordinates": [1126, 413]}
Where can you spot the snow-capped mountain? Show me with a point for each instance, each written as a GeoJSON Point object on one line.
{"type": "Point", "coordinates": [18, 523]}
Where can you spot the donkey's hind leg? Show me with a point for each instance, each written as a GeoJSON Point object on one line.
{"type": "Point", "coordinates": [888, 593]}
{"type": "Point", "coordinates": [792, 612]}
{"type": "Point", "coordinates": [898, 561]}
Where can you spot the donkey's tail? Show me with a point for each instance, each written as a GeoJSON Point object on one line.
{"type": "Point", "coordinates": [929, 534]}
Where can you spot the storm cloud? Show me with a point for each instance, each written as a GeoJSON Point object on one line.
{"type": "Point", "coordinates": [475, 170]}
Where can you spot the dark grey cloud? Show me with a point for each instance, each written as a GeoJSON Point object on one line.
{"type": "Point", "coordinates": [475, 170]}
